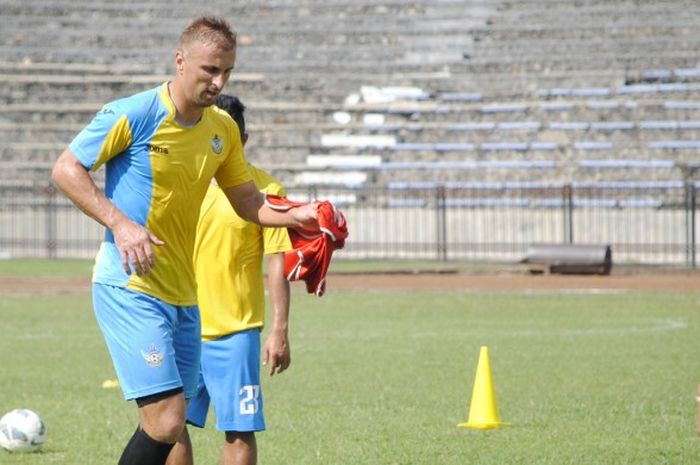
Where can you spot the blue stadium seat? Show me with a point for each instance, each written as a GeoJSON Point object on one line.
{"type": "Point", "coordinates": [472, 185]}
{"type": "Point", "coordinates": [590, 92]}
{"type": "Point", "coordinates": [640, 203]}
{"type": "Point", "coordinates": [505, 108]}
{"type": "Point", "coordinates": [657, 74]}
{"type": "Point", "coordinates": [654, 88]}
{"type": "Point", "coordinates": [410, 203]}
{"type": "Point", "coordinates": [670, 124]}
{"type": "Point", "coordinates": [676, 87]}
{"type": "Point", "coordinates": [574, 92]}
{"type": "Point", "coordinates": [504, 146]}
{"type": "Point", "coordinates": [569, 126]}
{"type": "Point", "coordinates": [621, 163]}
{"type": "Point", "coordinates": [343, 161]}
{"type": "Point", "coordinates": [466, 164]}
{"type": "Point", "coordinates": [642, 185]}
{"type": "Point", "coordinates": [658, 125]}
{"type": "Point", "coordinates": [520, 125]}
{"type": "Point", "coordinates": [481, 126]}
{"type": "Point", "coordinates": [403, 185]}
{"type": "Point", "coordinates": [612, 125]}
{"type": "Point", "coordinates": [687, 72]}
{"type": "Point", "coordinates": [593, 202]}
{"type": "Point", "coordinates": [638, 89]}
{"type": "Point", "coordinates": [599, 202]}
{"type": "Point", "coordinates": [593, 145]}
{"type": "Point", "coordinates": [453, 147]}
{"type": "Point", "coordinates": [675, 144]}
{"type": "Point", "coordinates": [461, 97]}
{"type": "Point", "coordinates": [438, 147]}
{"type": "Point", "coordinates": [413, 146]}
{"type": "Point", "coordinates": [385, 127]}
{"type": "Point", "coordinates": [681, 105]}
{"type": "Point", "coordinates": [556, 92]}
{"type": "Point", "coordinates": [543, 146]}
{"type": "Point", "coordinates": [486, 202]}
{"type": "Point", "coordinates": [602, 104]}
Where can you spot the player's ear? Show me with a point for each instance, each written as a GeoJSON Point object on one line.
{"type": "Point", "coordinates": [179, 60]}
{"type": "Point", "coordinates": [244, 138]}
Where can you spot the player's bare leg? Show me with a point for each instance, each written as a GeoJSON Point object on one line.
{"type": "Point", "coordinates": [182, 451]}
{"type": "Point", "coordinates": [162, 420]}
{"type": "Point", "coordinates": [239, 449]}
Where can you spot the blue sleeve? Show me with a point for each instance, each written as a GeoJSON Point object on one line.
{"type": "Point", "coordinates": [107, 135]}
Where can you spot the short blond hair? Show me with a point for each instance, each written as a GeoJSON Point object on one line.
{"type": "Point", "coordinates": [208, 30]}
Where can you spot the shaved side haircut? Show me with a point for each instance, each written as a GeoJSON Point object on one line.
{"type": "Point", "coordinates": [208, 30]}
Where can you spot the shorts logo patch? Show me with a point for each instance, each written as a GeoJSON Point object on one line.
{"type": "Point", "coordinates": [216, 144]}
{"type": "Point", "coordinates": [153, 357]}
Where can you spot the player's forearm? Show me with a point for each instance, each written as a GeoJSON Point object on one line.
{"type": "Point", "coordinates": [278, 287]}
{"type": "Point", "coordinates": [249, 203]}
{"type": "Point", "coordinates": [273, 218]}
{"type": "Point", "coordinates": [254, 209]}
{"type": "Point", "coordinates": [75, 182]}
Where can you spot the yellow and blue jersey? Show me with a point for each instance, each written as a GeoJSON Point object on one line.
{"type": "Point", "coordinates": [228, 262]}
{"type": "Point", "coordinates": [157, 173]}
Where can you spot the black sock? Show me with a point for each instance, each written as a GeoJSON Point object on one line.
{"type": "Point", "coordinates": [144, 450]}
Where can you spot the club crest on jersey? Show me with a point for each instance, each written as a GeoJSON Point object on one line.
{"type": "Point", "coordinates": [216, 144]}
{"type": "Point", "coordinates": [153, 357]}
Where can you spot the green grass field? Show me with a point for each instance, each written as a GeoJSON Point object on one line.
{"type": "Point", "coordinates": [383, 378]}
{"type": "Point", "coordinates": [73, 268]}
{"type": "Point", "coordinates": [42, 267]}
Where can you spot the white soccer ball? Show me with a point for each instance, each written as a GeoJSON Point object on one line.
{"type": "Point", "coordinates": [22, 430]}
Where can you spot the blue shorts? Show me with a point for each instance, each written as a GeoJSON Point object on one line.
{"type": "Point", "coordinates": [155, 346]}
{"type": "Point", "coordinates": [230, 380]}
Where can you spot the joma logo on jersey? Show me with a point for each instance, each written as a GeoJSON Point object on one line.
{"type": "Point", "coordinates": [158, 149]}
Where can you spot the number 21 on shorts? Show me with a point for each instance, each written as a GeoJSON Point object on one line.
{"type": "Point", "coordinates": [249, 402]}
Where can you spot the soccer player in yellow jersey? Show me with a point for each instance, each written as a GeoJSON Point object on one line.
{"type": "Point", "coordinates": [228, 267]}
{"type": "Point", "coordinates": [161, 149]}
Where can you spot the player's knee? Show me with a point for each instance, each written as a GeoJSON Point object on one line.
{"type": "Point", "coordinates": [245, 437]}
{"type": "Point", "coordinates": [163, 416]}
{"type": "Point", "coordinates": [166, 427]}
{"type": "Point", "coordinates": [170, 427]}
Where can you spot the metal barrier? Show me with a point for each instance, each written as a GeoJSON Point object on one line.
{"type": "Point", "coordinates": [569, 258]}
{"type": "Point", "coordinates": [644, 223]}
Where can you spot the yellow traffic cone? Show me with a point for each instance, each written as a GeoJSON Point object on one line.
{"type": "Point", "coordinates": [483, 411]}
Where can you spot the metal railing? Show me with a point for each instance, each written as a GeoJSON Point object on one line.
{"type": "Point", "coordinates": [644, 222]}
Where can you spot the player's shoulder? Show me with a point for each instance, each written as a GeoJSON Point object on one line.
{"type": "Point", "coordinates": [219, 117]}
{"type": "Point", "coordinates": [136, 105]}
{"type": "Point", "coordinates": [266, 182]}
{"type": "Point", "coordinates": [217, 112]}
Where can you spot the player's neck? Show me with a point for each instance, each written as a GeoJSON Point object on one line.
{"type": "Point", "coordinates": [185, 115]}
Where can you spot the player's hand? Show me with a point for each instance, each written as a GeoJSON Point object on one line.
{"type": "Point", "coordinates": [306, 216]}
{"type": "Point", "coordinates": [134, 244]}
{"type": "Point", "coordinates": [276, 352]}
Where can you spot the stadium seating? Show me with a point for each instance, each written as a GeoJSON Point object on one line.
{"type": "Point", "coordinates": [517, 91]}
